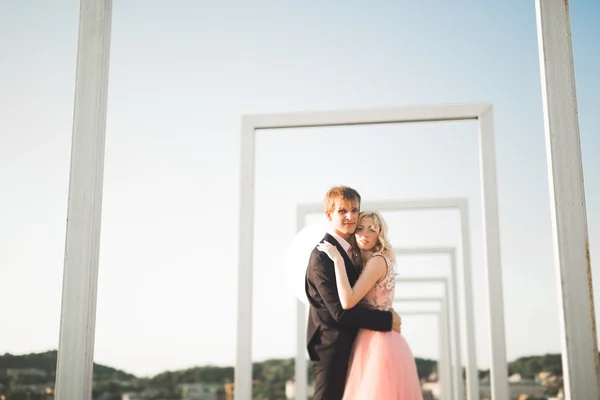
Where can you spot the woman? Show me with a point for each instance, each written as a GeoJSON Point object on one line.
{"type": "Point", "coordinates": [382, 366]}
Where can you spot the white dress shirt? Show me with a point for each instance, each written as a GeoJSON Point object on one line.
{"type": "Point", "coordinates": [344, 243]}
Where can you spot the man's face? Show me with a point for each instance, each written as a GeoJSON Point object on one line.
{"type": "Point", "coordinates": [344, 217]}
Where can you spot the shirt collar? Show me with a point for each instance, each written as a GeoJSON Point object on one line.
{"type": "Point", "coordinates": [344, 243]}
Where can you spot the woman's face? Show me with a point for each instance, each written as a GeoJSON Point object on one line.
{"type": "Point", "coordinates": [366, 234]}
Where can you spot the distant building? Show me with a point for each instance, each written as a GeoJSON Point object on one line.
{"type": "Point", "coordinates": [516, 389]}
{"type": "Point", "coordinates": [200, 391]}
{"type": "Point", "coordinates": [16, 372]}
{"type": "Point", "coordinates": [132, 396]}
{"type": "Point", "coordinates": [515, 378]}
{"type": "Point", "coordinates": [145, 395]}
{"type": "Point", "coordinates": [290, 389]}
{"type": "Point", "coordinates": [42, 388]}
{"type": "Point", "coordinates": [433, 388]}
{"type": "Point", "coordinates": [543, 377]}
{"type": "Point", "coordinates": [141, 396]}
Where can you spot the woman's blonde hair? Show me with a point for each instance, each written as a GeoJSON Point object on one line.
{"type": "Point", "coordinates": [383, 245]}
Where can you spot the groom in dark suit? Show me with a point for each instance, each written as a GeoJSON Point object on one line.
{"type": "Point", "coordinates": [331, 329]}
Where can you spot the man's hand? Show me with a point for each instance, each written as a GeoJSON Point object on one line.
{"type": "Point", "coordinates": [396, 321]}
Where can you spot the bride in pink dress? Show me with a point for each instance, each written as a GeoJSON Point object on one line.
{"type": "Point", "coordinates": [382, 366]}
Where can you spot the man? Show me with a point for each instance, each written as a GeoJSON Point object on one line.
{"type": "Point", "coordinates": [331, 329]}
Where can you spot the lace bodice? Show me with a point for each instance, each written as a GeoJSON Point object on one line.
{"type": "Point", "coordinates": [381, 296]}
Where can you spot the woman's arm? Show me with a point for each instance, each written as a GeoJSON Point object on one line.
{"type": "Point", "coordinates": [375, 270]}
{"type": "Point", "coordinates": [371, 274]}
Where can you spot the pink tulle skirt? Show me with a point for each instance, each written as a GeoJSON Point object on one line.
{"type": "Point", "coordinates": [382, 367]}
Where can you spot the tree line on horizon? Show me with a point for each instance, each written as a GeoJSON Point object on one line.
{"type": "Point", "coordinates": [270, 376]}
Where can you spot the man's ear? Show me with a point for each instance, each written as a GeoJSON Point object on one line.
{"type": "Point", "coordinates": [328, 215]}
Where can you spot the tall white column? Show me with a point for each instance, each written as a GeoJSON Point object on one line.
{"type": "Point", "coordinates": [448, 326]}
{"type": "Point", "coordinates": [567, 196]}
{"type": "Point", "coordinates": [441, 360]}
{"type": "Point", "coordinates": [301, 373]}
{"type": "Point", "coordinates": [491, 253]}
{"type": "Point", "coordinates": [80, 278]}
{"type": "Point", "coordinates": [243, 363]}
{"type": "Point", "coordinates": [446, 368]}
{"type": "Point", "coordinates": [455, 324]}
{"type": "Point", "coordinates": [472, 374]}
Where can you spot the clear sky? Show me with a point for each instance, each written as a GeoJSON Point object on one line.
{"type": "Point", "coordinates": [181, 76]}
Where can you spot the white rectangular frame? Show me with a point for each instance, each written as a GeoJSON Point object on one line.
{"type": "Point", "coordinates": [454, 315]}
{"type": "Point", "coordinates": [454, 376]}
{"type": "Point", "coordinates": [460, 204]}
{"type": "Point", "coordinates": [444, 356]}
{"type": "Point", "coordinates": [565, 172]}
{"type": "Point", "coordinates": [453, 322]}
{"type": "Point", "coordinates": [448, 379]}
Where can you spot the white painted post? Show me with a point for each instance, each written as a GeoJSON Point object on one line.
{"type": "Point", "coordinates": [459, 390]}
{"type": "Point", "coordinates": [443, 357]}
{"type": "Point", "coordinates": [82, 243]}
{"type": "Point", "coordinates": [447, 362]}
{"type": "Point", "coordinates": [581, 372]}
{"type": "Point", "coordinates": [472, 373]}
{"type": "Point", "coordinates": [301, 368]}
{"type": "Point", "coordinates": [491, 252]}
{"type": "Point", "coordinates": [301, 365]}
{"type": "Point", "coordinates": [243, 369]}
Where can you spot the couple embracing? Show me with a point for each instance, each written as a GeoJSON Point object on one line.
{"type": "Point", "coordinates": [353, 333]}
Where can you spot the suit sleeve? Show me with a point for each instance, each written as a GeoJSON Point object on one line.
{"type": "Point", "coordinates": [324, 280]}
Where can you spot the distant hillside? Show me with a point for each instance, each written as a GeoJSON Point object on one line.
{"type": "Point", "coordinates": [47, 362]}
{"type": "Point", "coordinates": [110, 383]}
{"type": "Point", "coordinates": [530, 366]}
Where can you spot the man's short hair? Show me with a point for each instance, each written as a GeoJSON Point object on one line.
{"type": "Point", "coordinates": [343, 193]}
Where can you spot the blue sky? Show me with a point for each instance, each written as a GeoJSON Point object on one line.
{"type": "Point", "coordinates": [182, 75]}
